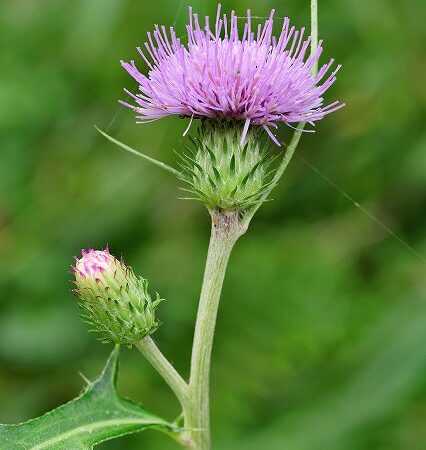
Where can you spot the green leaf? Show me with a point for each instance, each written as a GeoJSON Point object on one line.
{"type": "Point", "coordinates": [97, 415]}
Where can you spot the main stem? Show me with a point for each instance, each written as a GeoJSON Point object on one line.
{"type": "Point", "coordinates": [224, 233]}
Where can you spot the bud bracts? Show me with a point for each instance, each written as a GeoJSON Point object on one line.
{"type": "Point", "coordinates": [224, 172]}
{"type": "Point", "coordinates": [116, 302]}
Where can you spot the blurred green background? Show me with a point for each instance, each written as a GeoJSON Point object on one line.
{"type": "Point", "coordinates": [321, 340]}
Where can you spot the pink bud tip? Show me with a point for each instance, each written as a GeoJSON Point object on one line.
{"type": "Point", "coordinates": [94, 262]}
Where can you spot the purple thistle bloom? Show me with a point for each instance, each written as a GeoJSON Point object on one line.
{"type": "Point", "coordinates": [254, 78]}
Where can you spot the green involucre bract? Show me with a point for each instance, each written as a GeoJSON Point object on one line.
{"type": "Point", "coordinates": [223, 172]}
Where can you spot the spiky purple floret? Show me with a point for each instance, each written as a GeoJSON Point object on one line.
{"type": "Point", "coordinates": [255, 78]}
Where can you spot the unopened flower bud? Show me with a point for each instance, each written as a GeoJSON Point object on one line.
{"type": "Point", "coordinates": [116, 302]}
{"type": "Point", "coordinates": [226, 168]}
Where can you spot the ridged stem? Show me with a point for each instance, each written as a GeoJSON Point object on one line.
{"type": "Point", "coordinates": [225, 232]}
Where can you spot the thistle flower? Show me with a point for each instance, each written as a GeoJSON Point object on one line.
{"type": "Point", "coordinates": [116, 302]}
{"type": "Point", "coordinates": [254, 78]}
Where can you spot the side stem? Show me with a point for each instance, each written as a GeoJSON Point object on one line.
{"type": "Point", "coordinates": [224, 233]}
{"type": "Point", "coordinates": [161, 364]}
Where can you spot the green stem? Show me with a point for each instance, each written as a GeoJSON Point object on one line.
{"type": "Point", "coordinates": [224, 233]}
{"type": "Point", "coordinates": [170, 375]}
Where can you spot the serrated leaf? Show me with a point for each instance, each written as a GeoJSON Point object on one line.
{"type": "Point", "coordinates": [97, 415]}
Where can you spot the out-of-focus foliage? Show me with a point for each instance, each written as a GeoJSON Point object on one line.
{"type": "Point", "coordinates": [321, 334]}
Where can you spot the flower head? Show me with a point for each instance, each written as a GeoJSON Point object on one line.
{"type": "Point", "coordinates": [253, 77]}
{"type": "Point", "coordinates": [116, 302]}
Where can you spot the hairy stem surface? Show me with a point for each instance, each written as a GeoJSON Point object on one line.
{"type": "Point", "coordinates": [224, 233]}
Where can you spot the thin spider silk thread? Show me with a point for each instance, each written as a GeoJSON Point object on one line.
{"type": "Point", "coordinates": [369, 214]}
